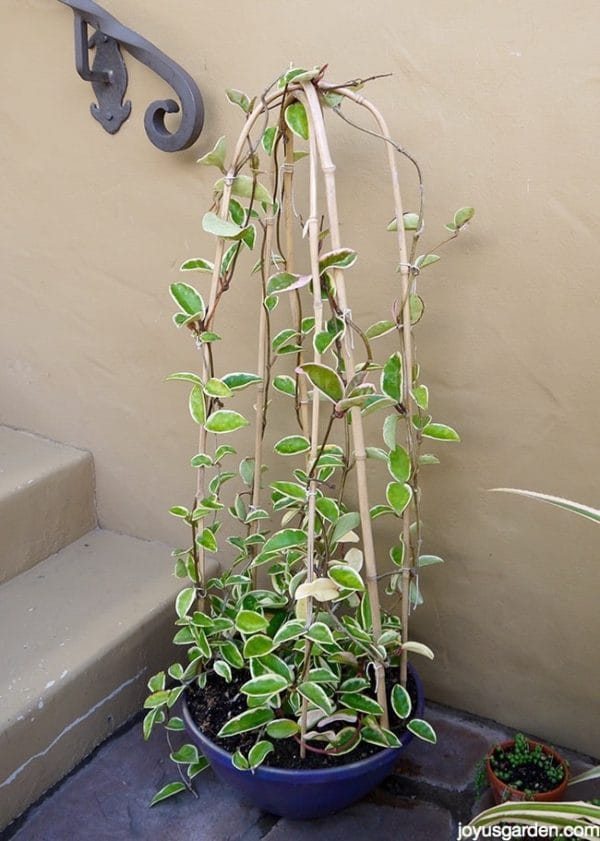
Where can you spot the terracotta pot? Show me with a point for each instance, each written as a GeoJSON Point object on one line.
{"type": "Point", "coordinates": [503, 792]}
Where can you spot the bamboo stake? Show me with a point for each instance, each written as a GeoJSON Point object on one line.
{"type": "Point", "coordinates": [288, 179]}
{"type": "Point", "coordinates": [313, 233]}
{"type": "Point", "coordinates": [328, 169]}
{"type": "Point", "coordinates": [407, 343]}
{"type": "Point", "coordinates": [262, 366]}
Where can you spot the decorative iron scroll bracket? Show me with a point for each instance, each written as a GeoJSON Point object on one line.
{"type": "Point", "coordinates": [108, 75]}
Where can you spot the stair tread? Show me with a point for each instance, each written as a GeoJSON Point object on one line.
{"type": "Point", "coordinates": [73, 607]}
{"type": "Point", "coordinates": [25, 458]}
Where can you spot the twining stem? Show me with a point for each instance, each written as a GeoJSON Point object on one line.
{"type": "Point", "coordinates": [313, 234]}
{"type": "Point", "coordinates": [328, 169]}
{"type": "Point", "coordinates": [407, 354]}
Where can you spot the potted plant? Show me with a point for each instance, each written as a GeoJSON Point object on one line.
{"type": "Point", "coordinates": [522, 769]}
{"type": "Point", "coordinates": [294, 679]}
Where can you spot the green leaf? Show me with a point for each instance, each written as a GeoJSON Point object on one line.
{"type": "Point", "coordinates": [240, 380]}
{"type": "Point", "coordinates": [292, 445]}
{"type": "Point", "coordinates": [390, 426]}
{"type": "Point", "coordinates": [179, 511]}
{"type": "Point", "coordinates": [269, 684]}
{"type": "Point", "coordinates": [258, 645]}
{"type": "Point", "coordinates": [297, 120]}
{"type": "Point", "coordinates": [188, 299]}
{"type": "Point", "coordinates": [327, 508]}
{"type": "Point", "coordinates": [268, 139]}
{"type": "Point", "coordinates": [379, 511]}
{"type": "Point", "coordinates": [428, 458]}
{"type": "Point", "coordinates": [156, 699]}
{"type": "Point", "coordinates": [259, 752]}
{"type": "Point", "coordinates": [185, 599]}
{"type": "Point", "coordinates": [346, 577]}
{"type": "Point", "coordinates": [417, 308]}
{"type": "Point", "coordinates": [167, 791]}
{"type": "Point", "coordinates": [185, 755]}
{"type": "Point", "coordinates": [246, 470]}
{"type": "Point", "coordinates": [346, 523]}
{"type": "Point", "coordinates": [217, 388]}
{"type": "Point", "coordinates": [290, 489]}
{"type": "Point", "coordinates": [285, 384]}
{"type": "Point", "coordinates": [377, 401]}
{"type": "Point", "coordinates": [397, 554]}
{"type": "Point", "coordinates": [421, 395]}
{"type": "Point", "coordinates": [250, 622]}
{"type": "Point", "coordinates": [320, 633]}
{"type": "Point", "coordinates": [213, 224]}
{"type": "Point", "coordinates": [317, 696]}
{"type": "Point", "coordinates": [282, 281]}
{"type": "Point", "coordinates": [224, 450]}
{"type": "Point", "coordinates": [282, 728]}
{"type": "Point", "coordinates": [380, 328]}
{"type": "Point", "coordinates": [238, 98]}
{"type": "Point", "coordinates": [429, 560]}
{"type": "Point", "coordinates": [298, 74]}
{"type": "Point", "coordinates": [216, 156]}
{"type": "Point", "coordinates": [342, 258]}
{"type": "Point", "coordinates": [401, 702]}
{"type": "Point", "coordinates": [361, 703]}
{"type": "Point", "coordinates": [422, 730]}
{"type": "Point", "coordinates": [223, 669]}
{"type": "Point", "coordinates": [411, 222]}
{"type": "Point", "coordinates": [323, 341]}
{"type": "Point", "coordinates": [399, 464]}
{"type": "Point", "coordinates": [208, 540]}
{"type": "Point", "coordinates": [440, 432]}
{"type": "Point", "coordinates": [391, 378]}
{"type": "Point", "coordinates": [225, 420]}
{"type": "Point", "coordinates": [196, 264]}
{"type": "Point", "coordinates": [186, 376]}
{"type": "Point", "coordinates": [289, 630]}
{"type": "Point", "coordinates": [285, 539]}
{"type": "Point", "coordinates": [246, 721]}
{"type": "Point", "coordinates": [325, 380]}
{"type": "Point", "coordinates": [231, 653]}
{"type": "Point", "coordinates": [239, 761]}
{"type": "Point", "coordinates": [462, 216]}
{"type": "Point", "coordinates": [175, 724]}
{"type": "Point", "coordinates": [399, 496]}
{"type": "Point", "coordinates": [424, 260]}
{"type": "Point", "coordinates": [243, 186]}
{"type": "Point", "coordinates": [157, 682]}
{"type": "Point", "coordinates": [197, 405]}
{"type": "Point", "coordinates": [197, 767]}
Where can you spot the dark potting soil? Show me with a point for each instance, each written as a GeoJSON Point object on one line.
{"type": "Point", "coordinates": [525, 777]}
{"type": "Point", "coordinates": [212, 706]}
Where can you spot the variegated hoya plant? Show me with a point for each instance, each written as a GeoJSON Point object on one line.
{"type": "Point", "coordinates": [297, 608]}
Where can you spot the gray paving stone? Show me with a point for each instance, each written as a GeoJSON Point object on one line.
{"type": "Point", "coordinates": [369, 822]}
{"type": "Point", "coordinates": [107, 800]}
{"type": "Point", "coordinates": [451, 763]}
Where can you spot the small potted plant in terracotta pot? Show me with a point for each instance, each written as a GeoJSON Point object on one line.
{"type": "Point", "coordinates": [521, 769]}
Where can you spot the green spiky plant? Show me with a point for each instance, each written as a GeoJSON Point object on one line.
{"type": "Point", "coordinates": [314, 644]}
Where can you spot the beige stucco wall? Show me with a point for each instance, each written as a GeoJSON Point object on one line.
{"type": "Point", "coordinates": [500, 103]}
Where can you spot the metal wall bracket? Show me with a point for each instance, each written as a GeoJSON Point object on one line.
{"type": "Point", "coordinates": [108, 75]}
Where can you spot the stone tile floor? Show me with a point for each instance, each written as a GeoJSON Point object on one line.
{"type": "Point", "coordinates": [106, 798]}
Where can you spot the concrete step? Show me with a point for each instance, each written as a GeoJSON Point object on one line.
{"type": "Point", "coordinates": [81, 633]}
{"type": "Point", "coordinates": [46, 499]}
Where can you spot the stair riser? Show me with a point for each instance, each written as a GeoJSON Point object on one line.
{"type": "Point", "coordinates": [46, 512]}
{"type": "Point", "coordinates": [78, 713]}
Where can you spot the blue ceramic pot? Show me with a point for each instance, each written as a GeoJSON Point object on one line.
{"type": "Point", "coordinates": [303, 795]}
